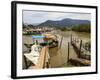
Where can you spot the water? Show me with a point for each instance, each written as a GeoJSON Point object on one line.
{"type": "Point", "coordinates": [59, 55]}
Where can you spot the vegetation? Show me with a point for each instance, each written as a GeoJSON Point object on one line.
{"type": "Point", "coordinates": [78, 28]}
{"type": "Point", "coordinates": [62, 28]}
{"type": "Point", "coordinates": [82, 28]}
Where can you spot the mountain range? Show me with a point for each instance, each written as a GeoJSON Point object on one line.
{"type": "Point", "coordinates": [67, 22]}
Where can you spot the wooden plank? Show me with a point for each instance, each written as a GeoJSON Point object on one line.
{"type": "Point", "coordinates": [80, 61]}
{"type": "Point", "coordinates": [41, 61]}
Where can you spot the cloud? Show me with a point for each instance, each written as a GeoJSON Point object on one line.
{"type": "Point", "coordinates": [33, 17]}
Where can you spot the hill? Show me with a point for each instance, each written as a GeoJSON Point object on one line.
{"type": "Point", "coordinates": [64, 22]}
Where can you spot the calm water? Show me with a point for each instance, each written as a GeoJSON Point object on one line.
{"type": "Point", "coordinates": [59, 54]}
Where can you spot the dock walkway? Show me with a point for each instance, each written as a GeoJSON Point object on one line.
{"type": "Point", "coordinates": [43, 60]}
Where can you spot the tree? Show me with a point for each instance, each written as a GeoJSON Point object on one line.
{"type": "Point", "coordinates": [82, 28]}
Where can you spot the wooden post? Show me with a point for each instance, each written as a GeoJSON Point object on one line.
{"type": "Point", "coordinates": [71, 39]}
{"type": "Point", "coordinates": [26, 65]}
{"type": "Point", "coordinates": [68, 53]}
{"type": "Point", "coordinates": [61, 42]}
{"type": "Point", "coordinates": [80, 48]}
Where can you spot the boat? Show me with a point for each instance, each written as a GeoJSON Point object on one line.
{"type": "Point", "coordinates": [39, 56]}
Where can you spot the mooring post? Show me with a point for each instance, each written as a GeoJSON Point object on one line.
{"type": "Point", "coordinates": [61, 42]}
{"type": "Point", "coordinates": [71, 39]}
{"type": "Point", "coordinates": [80, 48]}
{"type": "Point", "coordinates": [68, 53]}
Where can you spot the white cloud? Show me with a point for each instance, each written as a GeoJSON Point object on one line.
{"type": "Point", "coordinates": [32, 17]}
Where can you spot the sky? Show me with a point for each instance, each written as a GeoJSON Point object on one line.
{"type": "Point", "coordinates": [37, 17]}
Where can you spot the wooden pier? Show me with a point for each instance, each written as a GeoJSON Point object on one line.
{"type": "Point", "coordinates": [43, 61]}
{"type": "Point", "coordinates": [83, 57]}
{"type": "Point", "coordinates": [80, 50]}
{"type": "Point", "coordinates": [80, 62]}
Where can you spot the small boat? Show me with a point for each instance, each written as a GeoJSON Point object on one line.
{"type": "Point", "coordinates": [38, 56]}
{"type": "Point", "coordinates": [34, 54]}
{"type": "Point", "coordinates": [51, 40]}
{"type": "Point", "coordinates": [46, 40]}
